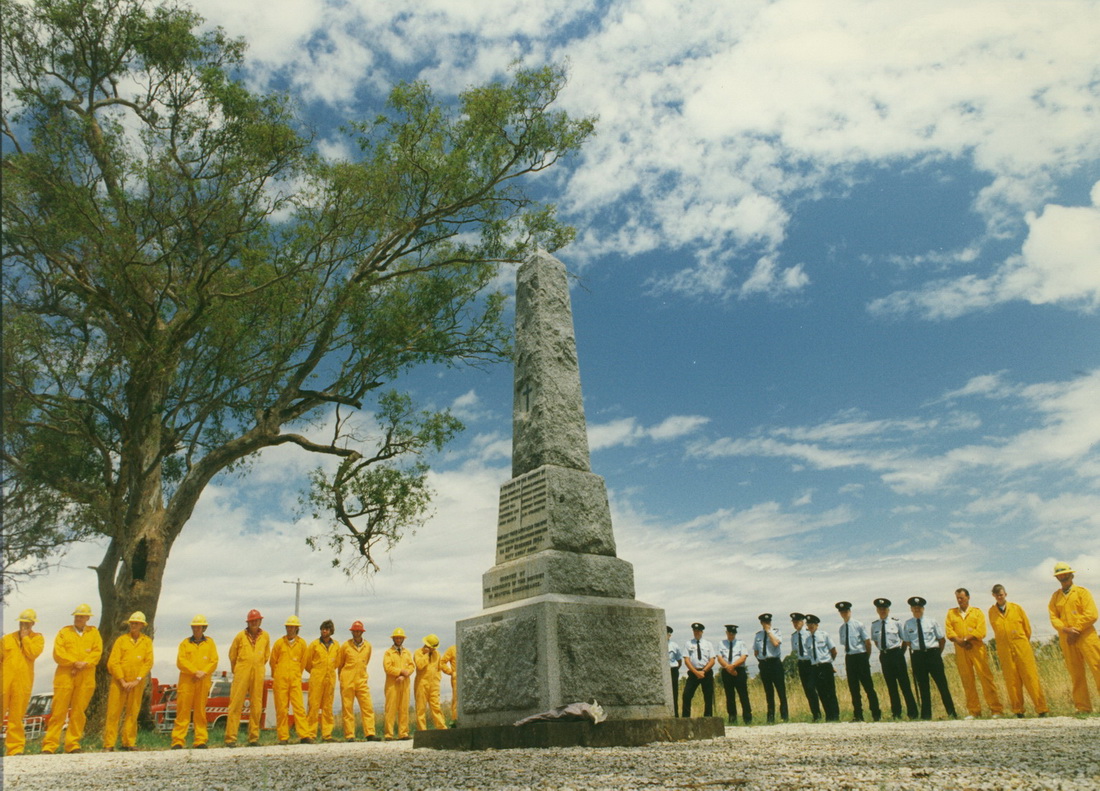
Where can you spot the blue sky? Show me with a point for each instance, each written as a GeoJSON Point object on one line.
{"type": "Point", "coordinates": [838, 272]}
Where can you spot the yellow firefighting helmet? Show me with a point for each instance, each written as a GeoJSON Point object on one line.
{"type": "Point", "coordinates": [137, 617]}
{"type": "Point", "coordinates": [83, 609]}
{"type": "Point", "coordinates": [199, 620]}
{"type": "Point", "coordinates": [432, 641]}
{"type": "Point", "coordinates": [28, 616]}
{"type": "Point", "coordinates": [1063, 568]}
{"type": "Point", "coordinates": [293, 621]}
{"type": "Point", "coordinates": [398, 633]}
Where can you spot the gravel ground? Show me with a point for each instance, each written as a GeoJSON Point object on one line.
{"type": "Point", "coordinates": [1054, 753]}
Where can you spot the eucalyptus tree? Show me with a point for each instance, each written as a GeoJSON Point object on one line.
{"type": "Point", "coordinates": [188, 282]}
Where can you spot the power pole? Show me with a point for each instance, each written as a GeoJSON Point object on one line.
{"type": "Point", "coordinates": [297, 591]}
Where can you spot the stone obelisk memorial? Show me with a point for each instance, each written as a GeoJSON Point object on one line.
{"type": "Point", "coordinates": [560, 624]}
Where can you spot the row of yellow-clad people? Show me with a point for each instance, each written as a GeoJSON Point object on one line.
{"type": "Point", "coordinates": [79, 648]}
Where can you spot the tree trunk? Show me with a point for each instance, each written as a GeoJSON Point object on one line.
{"type": "Point", "coordinates": [130, 579]}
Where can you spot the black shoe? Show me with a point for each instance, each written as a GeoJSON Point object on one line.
{"type": "Point", "coordinates": [78, 750]}
{"type": "Point", "coordinates": [177, 746]}
{"type": "Point", "coordinates": [283, 742]}
{"type": "Point", "coordinates": [200, 746]}
{"type": "Point", "coordinates": [230, 744]}
{"type": "Point", "coordinates": [1042, 714]}
{"type": "Point", "coordinates": [305, 740]}
{"type": "Point", "coordinates": [1021, 716]}
{"type": "Point", "coordinates": [252, 744]}
{"type": "Point", "coordinates": [372, 738]}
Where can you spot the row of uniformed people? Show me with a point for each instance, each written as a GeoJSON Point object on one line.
{"type": "Point", "coordinates": [1072, 612]}
{"type": "Point", "coordinates": [78, 649]}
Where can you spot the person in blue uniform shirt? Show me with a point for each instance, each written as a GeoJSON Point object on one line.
{"type": "Point", "coordinates": [675, 660]}
{"type": "Point", "coordinates": [857, 663]}
{"type": "Point", "coordinates": [699, 661]}
{"type": "Point", "coordinates": [767, 645]}
{"type": "Point", "coordinates": [886, 635]}
{"type": "Point", "coordinates": [925, 639]}
{"type": "Point", "coordinates": [822, 652]}
{"type": "Point", "coordinates": [806, 673]}
{"type": "Point", "coordinates": [732, 656]}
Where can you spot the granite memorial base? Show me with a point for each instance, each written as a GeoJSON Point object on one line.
{"type": "Point", "coordinates": [534, 655]}
{"type": "Point", "coordinates": [610, 733]}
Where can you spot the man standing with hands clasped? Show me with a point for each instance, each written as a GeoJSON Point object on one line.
{"type": "Point", "coordinates": [699, 660]}
{"type": "Point", "coordinates": [732, 656]}
{"type": "Point", "coordinates": [77, 650]}
{"type": "Point", "coordinates": [1073, 615]}
{"type": "Point", "coordinates": [806, 674]}
{"type": "Point", "coordinates": [965, 627]}
{"type": "Point", "coordinates": [1012, 631]}
{"type": "Point", "coordinates": [129, 664]}
{"type": "Point", "coordinates": [886, 635]}
{"type": "Point", "coordinates": [399, 666]}
{"type": "Point", "coordinates": [925, 641]}
{"type": "Point", "coordinates": [857, 663]}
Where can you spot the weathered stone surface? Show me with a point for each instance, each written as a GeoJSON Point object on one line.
{"type": "Point", "coordinates": [510, 677]}
{"type": "Point", "coordinates": [548, 424]}
{"type": "Point", "coordinates": [584, 648]}
{"type": "Point", "coordinates": [552, 571]}
{"type": "Point", "coordinates": [554, 508]}
{"type": "Point", "coordinates": [630, 641]}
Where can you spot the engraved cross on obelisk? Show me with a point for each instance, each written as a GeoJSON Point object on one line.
{"type": "Point", "coordinates": [558, 601]}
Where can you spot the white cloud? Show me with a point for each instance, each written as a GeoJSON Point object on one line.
{"type": "Point", "coordinates": [1059, 263]}
{"type": "Point", "coordinates": [627, 431]}
{"type": "Point", "coordinates": [716, 120]}
{"type": "Point", "coordinates": [1065, 432]}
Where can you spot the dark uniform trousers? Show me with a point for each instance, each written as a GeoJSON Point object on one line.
{"type": "Point", "coordinates": [694, 682]}
{"type": "Point", "coordinates": [929, 664]}
{"type": "Point", "coordinates": [737, 687]}
{"type": "Point", "coordinates": [825, 687]}
{"type": "Point", "coordinates": [858, 669]}
{"type": "Point", "coordinates": [897, 678]}
{"type": "Point", "coordinates": [771, 673]}
{"type": "Point", "coordinates": [676, 689]}
{"type": "Point", "coordinates": [808, 676]}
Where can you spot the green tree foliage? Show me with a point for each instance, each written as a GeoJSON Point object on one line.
{"type": "Point", "coordinates": [187, 282]}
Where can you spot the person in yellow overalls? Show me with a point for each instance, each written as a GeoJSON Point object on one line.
{"type": "Point", "coordinates": [1073, 615]}
{"type": "Point", "coordinates": [352, 664]}
{"type": "Point", "coordinates": [426, 687]}
{"type": "Point", "coordinates": [17, 654]}
{"type": "Point", "coordinates": [77, 650]}
{"type": "Point", "coordinates": [129, 664]}
{"type": "Point", "coordinates": [449, 665]}
{"type": "Point", "coordinates": [288, 660]}
{"type": "Point", "coordinates": [965, 627]}
{"type": "Point", "coordinates": [321, 658]}
{"type": "Point", "coordinates": [197, 659]}
{"type": "Point", "coordinates": [399, 666]}
{"type": "Point", "coordinates": [1012, 631]}
{"type": "Point", "coordinates": [248, 655]}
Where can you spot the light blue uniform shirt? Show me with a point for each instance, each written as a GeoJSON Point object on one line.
{"type": "Point", "coordinates": [893, 633]}
{"type": "Point", "coordinates": [699, 652]}
{"type": "Point", "coordinates": [819, 647]}
{"type": "Point", "coordinates": [762, 645]}
{"type": "Point", "coordinates": [932, 633]}
{"type": "Point", "coordinates": [800, 643]}
{"type": "Point", "coordinates": [674, 654]}
{"type": "Point", "coordinates": [853, 636]}
{"type": "Point", "coordinates": [732, 651]}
